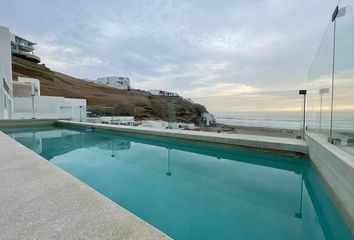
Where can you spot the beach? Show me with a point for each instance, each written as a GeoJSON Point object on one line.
{"type": "Point", "coordinates": [263, 131]}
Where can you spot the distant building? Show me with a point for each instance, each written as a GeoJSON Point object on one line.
{"type": "Point", "coordinates": [208, 119]}
{"type": "Point", "coordinates": [122, 83]}
{"type": "Point", "coordinates": [163, 93]}
{"type": "Point", "coordinates": [23, 48]}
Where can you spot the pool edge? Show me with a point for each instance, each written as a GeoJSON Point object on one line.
{"type": "Point", "coordinates": [335, 167]}
{"type": "Point", "coordinates": [252, 141]}
{"type": "Point", "coordinates": [91, 215]}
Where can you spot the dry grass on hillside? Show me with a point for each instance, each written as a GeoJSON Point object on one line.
{"type": "Point", "coordinates": [125, 102]}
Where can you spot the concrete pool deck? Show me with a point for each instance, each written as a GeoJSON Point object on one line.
{"type": "Point", "coordinates": [253, 141]}
{"type": "Point", "coordinates": [41, 201]}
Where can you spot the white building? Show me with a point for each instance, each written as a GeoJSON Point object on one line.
{"type": "Point", "coordinates": [6, 100]}
{"type": "Point", "coordinates": [160, 92]}
{"type": "Point", "coordinates": [23, 48]}
{"type": "Point", "coordinates": [22, 99]}
{"type": "Point", "coordinates": [208, 119]}
{"type": "Point", "coordinates": [26, 87]}
{"type": "Point", "coordinates": [122, 83]}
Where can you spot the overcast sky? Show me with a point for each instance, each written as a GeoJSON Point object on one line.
{"type": "Point", "coordinates": [215, 52]}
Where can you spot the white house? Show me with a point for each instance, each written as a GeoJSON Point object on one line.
{"type": "Point", "coordinates": [6, 99]}
{"type": "Point", "coordinates": [122, 83]}
{"type": "Point", "coordinates": [23, 48]}
{"type": "Point", "coordinates": [160, 92]}
{"type": "Point", "coordinates": [208, 119]}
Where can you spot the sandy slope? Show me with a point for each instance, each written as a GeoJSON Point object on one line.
{"type": "Point", "coordinates": [124, 102]}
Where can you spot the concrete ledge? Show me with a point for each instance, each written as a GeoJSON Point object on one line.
{"type": "Point", "coordinates": [40, 201]}
{"type": "Point", "coordinates": [336, 168]}
{"type": "Point", "coordinates": [26, 122]}
{"type": "Point", "coordinates": [263, 142]}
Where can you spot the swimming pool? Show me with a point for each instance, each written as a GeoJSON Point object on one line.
{"type": "Point", "coordinates": [192, 190]}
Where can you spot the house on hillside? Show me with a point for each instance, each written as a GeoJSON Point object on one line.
{"type": "Point", "coordinates": [122, 83]}
{"type": "Point", "coordinates": [163, 93]}
{"type": "Point", "coordinates": [23, 48]}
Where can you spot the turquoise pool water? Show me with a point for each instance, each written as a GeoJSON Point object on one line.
{"type": "Point", "coordinates": [195, 191]}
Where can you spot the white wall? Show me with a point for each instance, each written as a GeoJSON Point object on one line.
{"type": "Point", "coordinates": [46, 107]}
{"type": "Point", "coordinates": [6, 66]}
{"type": "Point", "coordinates": [22, 89]}
{"type": "Point", "coordinates": [35, 82]}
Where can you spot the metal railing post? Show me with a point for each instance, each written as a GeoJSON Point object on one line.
{"type": "Point", "coordinates": [334, 16]}
{"type": "Point", "coordinates": [303, 92]}
{"type": "Point", "coordinates": [80, 113]}
{"type": "Point", "coordinates": [33, 117]}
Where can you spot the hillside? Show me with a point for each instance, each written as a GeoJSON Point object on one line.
{"type": "Point", "coordinates": [142, 106]}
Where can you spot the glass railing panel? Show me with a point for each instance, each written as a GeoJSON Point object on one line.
{"type": "Point", "coordinates": [343, 92]}
{"type": "Point", "coordinates": [274, 113]}
{"type": "Point", "coordinates": [74, 113]}
{"type": "Point", "coordinates": [100, 114]}
{"type": "Point", "coordinates": [47, 107]}
{"type": "Point", "coordinates": [267, 113]}
{"type": "Point", "coordinates": [110, 114]}
{"type": "Point", "coordinates": [319, 88]}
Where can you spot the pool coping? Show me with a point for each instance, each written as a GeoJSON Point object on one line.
{"type": "Point", "coordinates": [253, 141]}
{"type": "Point", "coordinates": [336, 169]}
{"type": "Point", "coordinates": [26, 122]}
{"type": "Point", "coordinates": [41, 201]}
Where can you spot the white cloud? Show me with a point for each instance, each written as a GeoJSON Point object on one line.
{"type": "Point", "coordinates": [219, 90]}
{"type": "Point", "coordinates": [200, 48]}
{"type": "Point", "coordinates": [69, 59]}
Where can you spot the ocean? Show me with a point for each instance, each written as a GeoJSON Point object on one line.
{"type": "Point", "coordinates": [288, 120]}
{"type": "Point", "coordinates": [342, 120]}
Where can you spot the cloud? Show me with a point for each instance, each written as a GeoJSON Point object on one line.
{"type": "Point", "coordinates": [69, 59]}
{"type": "Point", "coordinates": [220, 90]}
{"type": "Point", "coordinates": [202, 48]}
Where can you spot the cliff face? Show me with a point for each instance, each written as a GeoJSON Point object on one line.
{"type": "Point", "coordinates": [133, 103]}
